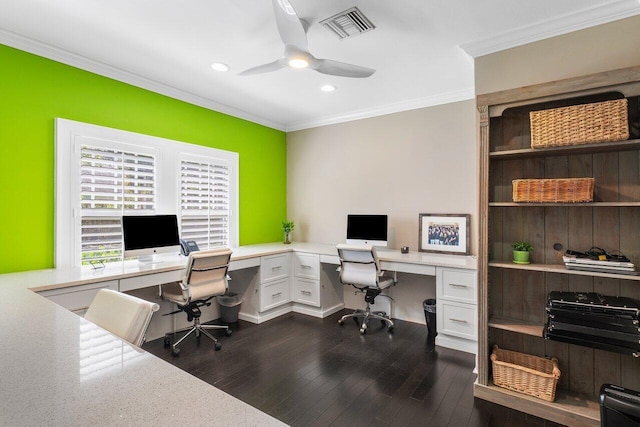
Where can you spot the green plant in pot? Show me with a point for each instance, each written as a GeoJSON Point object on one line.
{"type": "Point", "coordinates": [287, 228]}
{"type": "Point", "coordinates": [521, 252]}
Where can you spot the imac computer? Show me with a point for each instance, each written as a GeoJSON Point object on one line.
{"type": "Point", "coordinates": [148, 235]}
{"type": "Point", "coordinates": [367, 230]}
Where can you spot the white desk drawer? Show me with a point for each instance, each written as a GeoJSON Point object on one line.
{"type": "Point", "coordinates": [274, 267]}
{"type": "Point", "coordinates": [274, 293]}
{"type": "Point", "coordinates": [306, 291]}
{"type": "Point", "coordinates": [457, 285]}
{"type": "Point", "coordinates": [306, 265]}
{"type": "Point", "coordinates": [457, 319]}
{"type": "Point", "coordinates": [155, 279]}
{"type": "Point", "coordinates": [77, 298]}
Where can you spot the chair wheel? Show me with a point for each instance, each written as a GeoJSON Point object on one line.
{"type": "Point", "coordinates": [341, 322]}
{"type": "Point", "coordinates": [167, 341]}
{"type": "Point", "coordinates": [390, 329]}
{"type": "Point", "coordinates": [363, 331]}
{"type": "Point", "coordinates": [175, 352]}
{"type": "Point", "coordinates": [217, 346]}
{"type": "Point", "coordinates": [228, 332]}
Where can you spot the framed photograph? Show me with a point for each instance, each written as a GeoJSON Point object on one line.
{"type": "Point", "coordinates": [444, 233]}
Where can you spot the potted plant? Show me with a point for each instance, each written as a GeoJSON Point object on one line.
{"type": "Point", "coordinates": [287, 227]}
{"type": "Point", "coordinates": [521, 251]}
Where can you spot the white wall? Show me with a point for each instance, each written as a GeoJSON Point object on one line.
{"type": "Point", "coordinates": [593, 50]}
{"type": "Point", "coordinates": [403, 164]}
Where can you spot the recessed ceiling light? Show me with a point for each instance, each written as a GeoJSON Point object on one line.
{"type": "Point", "coordinates": [328, 88]}
{"type": "Point", "coordinates": [219, 66]}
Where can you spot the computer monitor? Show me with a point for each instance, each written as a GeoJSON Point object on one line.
{"type": "Point", "coordinates": [367, 230]}
{"type": "Point", "coordinates": [148, 235]}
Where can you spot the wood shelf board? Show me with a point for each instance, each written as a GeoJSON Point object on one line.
{"type": "Point", "coordinates": [587, 204]}
{"type": "Point", "coordinates": [599, 147]}
{"type": "Point", "coordinates": [515, 325]}
{"type": "Point", "coordinates": [559, 268]}
{"type": "Point", "coordinates": [568, 408]}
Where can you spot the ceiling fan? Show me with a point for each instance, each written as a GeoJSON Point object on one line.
{"type": "Point", "coordinates": [293, 32]}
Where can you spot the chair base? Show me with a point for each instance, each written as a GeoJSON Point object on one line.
{"type": "Point", "coordinates": [366, 316]}
{"type": "Point", "coordinates": [198, 329]}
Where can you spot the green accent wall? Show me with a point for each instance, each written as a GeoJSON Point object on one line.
{"type": "Point", "coordinates": [34, 91]}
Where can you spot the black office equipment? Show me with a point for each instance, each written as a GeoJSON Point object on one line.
{"type": "Point", "coordinates": [594, 320]}
{"type": "Point", "coordinates": [619, 407]}
{"type": "Point", "coordinates": [188, 246]}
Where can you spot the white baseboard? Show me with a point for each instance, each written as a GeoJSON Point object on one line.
{"type": "Point", "coordinates": [331, 310]}
{"type": "Point", "coordinates": [316, 311]}
{"type": "Point", "coordinates": [263, 317]}
{"type": "Point", "coordinates": [457, 343]}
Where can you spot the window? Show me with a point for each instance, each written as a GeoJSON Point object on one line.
{"type": "Point", "coordinates": [204, 202]}
{"type": "Point", "coordinates": [103, 174]}
{"type": "Point", "coordinates": [112, 183]}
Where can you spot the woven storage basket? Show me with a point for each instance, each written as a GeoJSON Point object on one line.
{"type": "Point", "coordinates": [561, 190]}
{"type": "Point", "coordinates": [580, 124]}
{"type": "Point", "coordinates": [532, 375]}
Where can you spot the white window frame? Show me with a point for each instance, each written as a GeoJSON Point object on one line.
{"type": "Point", "coordinates": [69, 136]}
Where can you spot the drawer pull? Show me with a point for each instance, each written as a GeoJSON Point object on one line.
{"type": "Point", "coordinates": [306, 267]}
{"type": "Point", "coordinates": [305, 293]}
{"type": "Point", "coordinates": [455, 285]}
{"type": "Point", "coordinates": [277, 267]}
{"type": "Point", "coordinates": [458, 320]}
{"type": "Point", "coordinates": [279, 294]}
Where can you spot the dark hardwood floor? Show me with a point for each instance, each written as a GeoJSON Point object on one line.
{"type": "Point", "coordinates": [311, 372]}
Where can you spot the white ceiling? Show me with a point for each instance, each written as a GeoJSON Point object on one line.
{"type": "Point", "coordinates": [422, 49]}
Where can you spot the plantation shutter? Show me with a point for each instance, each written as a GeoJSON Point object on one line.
{"type": "Point", "coordinates": [113, 183]}
{"type": "Point", "coordinates": [204, 202]}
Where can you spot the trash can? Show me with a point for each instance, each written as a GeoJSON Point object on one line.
{"type": "Point", "coordinates": [229, 307]}
{"type": "Point", "coordinates": [429, 306]}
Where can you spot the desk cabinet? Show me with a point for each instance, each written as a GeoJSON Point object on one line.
{"type": "Point", "coordinates": [78, 298]}
{"type": "Point", "coordinates": [274, 294]}
{"type": "Point", "coordinates": [275, 285]}
{"type": "Point", "coordinates": [456, 309]}
{"type": "Point", "coordinates": [306, 279]}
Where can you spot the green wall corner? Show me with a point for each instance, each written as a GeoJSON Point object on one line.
{"type": "Point", "coordinates": [34, 91]}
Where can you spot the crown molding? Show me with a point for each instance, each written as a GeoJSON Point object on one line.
{"type": "Point", "coordinates": [412, 104]}
{"type": "Point", "coordinates": [65, 57]}
{"type": "Point", "coordinates": [585, 18]}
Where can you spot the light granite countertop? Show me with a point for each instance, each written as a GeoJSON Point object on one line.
{"type": "Point", "coordinates": [58, 369]}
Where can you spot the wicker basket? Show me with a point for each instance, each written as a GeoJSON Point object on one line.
{"type": "Point", "coordinates": [564, 190]}
{"type": "Point", "coordinates": [580, 124]}
{"type": "Point", "coordinates": [532, 375]}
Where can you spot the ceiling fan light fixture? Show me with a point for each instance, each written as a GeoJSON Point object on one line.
{"type": "Point", "coordinates": [298, 63]}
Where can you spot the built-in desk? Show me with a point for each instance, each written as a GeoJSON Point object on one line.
{"type": "Point", "coordinates": [276, 285]}
{"type": "Point", "coordinates": [58, 369]}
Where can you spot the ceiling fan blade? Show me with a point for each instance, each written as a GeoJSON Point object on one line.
{"type": "Point", "coordinates": [291, 28]}
{"type": "Point", "coordinates": [336, 68]}
{"type": "Point", "coordinates": [265, 68]}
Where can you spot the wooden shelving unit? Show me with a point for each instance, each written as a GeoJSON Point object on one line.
{"type": "Point", "coordinates": [512, 297]}
{"type": "Point", "coordinates": [560, 269]}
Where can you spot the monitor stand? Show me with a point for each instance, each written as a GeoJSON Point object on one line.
{"type": "Point", "coordinates": [150, 259]}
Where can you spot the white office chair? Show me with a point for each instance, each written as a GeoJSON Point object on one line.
{"type": "Point", "coordinates": [360, 268]}
{"type": "Point", "coordinates": [205, 278]}
{"type": "Point", "coordinates": [123, 315]}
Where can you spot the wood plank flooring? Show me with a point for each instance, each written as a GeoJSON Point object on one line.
{"type": "Point", "coordinates": [311, 372]}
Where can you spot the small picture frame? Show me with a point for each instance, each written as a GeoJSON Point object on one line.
{"type": "Point", "coordinates": [444, 233]}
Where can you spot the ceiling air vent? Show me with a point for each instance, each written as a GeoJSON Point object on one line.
{"type": "Point", "coordinates": [348, 23]}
